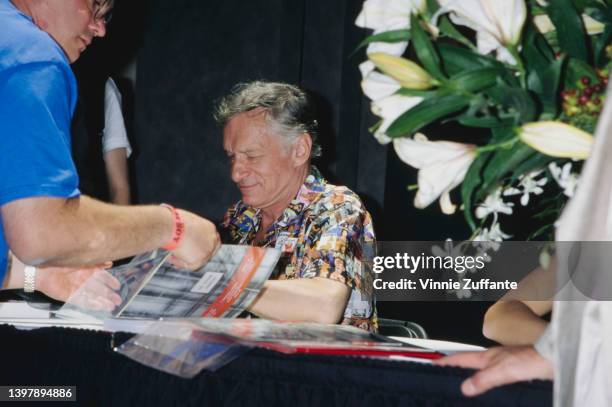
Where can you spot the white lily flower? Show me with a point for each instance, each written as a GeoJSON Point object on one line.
{"type": "Point", "coordinates": [498, 23]}
{"type": "Point", "coordinates": [406, 72]}
{"type": "Point", "coordinates": [391, 48]}
{"type": "Point", "coordinates": [366, 67]}
{"type": "Point", "coordinates": [442, 165]}
{"type": "Point", "coordinates": [528, 185]}
{"type": "Point", "coordinates": [389, 109]}
{"type": "Point", "coordinates": [544, 24]}
{"type": "Point", "coordinates": [388, 15]}
{"type": "Point", "coordinates": [557, 139]}
{"type": "Point", "coordinates": [566, 179]}
{"type": "Point", "coordinates": [386, 104]}
{"type": "Point", "coordinates": [376, 85]}
{"type": "Point", "coordinates": [494, 204]}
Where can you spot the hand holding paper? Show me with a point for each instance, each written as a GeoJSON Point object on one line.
{"type": "Point", "coordinates": [93, 289]}
{"type": "Point", "coordinates": [199, 243]}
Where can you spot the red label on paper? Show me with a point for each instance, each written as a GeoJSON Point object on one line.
{"type": "Point", "coordinates": [240, 280]}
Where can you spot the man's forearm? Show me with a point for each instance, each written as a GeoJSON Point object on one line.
{"type": "Point", "coordinates": [307, 300]}
{"type": "Point", "coordinates": [79, 231]}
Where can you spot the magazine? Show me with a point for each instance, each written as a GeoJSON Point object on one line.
{"type": "Point", "coordinates": [287, 337]}
{"type": "Point", "coordinates": [185, 347]}
{"type": "Point", "coordinates": [152, 287]}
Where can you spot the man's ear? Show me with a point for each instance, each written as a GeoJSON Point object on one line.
{"type": "Point", "coordinates": [301, 150]}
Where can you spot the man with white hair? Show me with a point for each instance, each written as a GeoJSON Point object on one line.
{"type": "Point", "coordinates": [323, 230]}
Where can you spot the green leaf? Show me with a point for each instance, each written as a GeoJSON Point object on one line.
{"type": "Point", "coordinates": [600, 13]}
{"type": "Point", "coordinates": [488, 122]}
{"type": "Point", "coordinates": [536, 52]}
{"type": "Point", "coordinates": [543, 71]}
{"type": "Point", "coordinates": [501, 135]}
{"type": "Point", "coordinates": [516, 101]}
{"type": "Point", "coordinates": [533, 163]}
{"type": "Point", "coordinates": [472, 180]}
{"type": "Point", "coordinates": [458, 59]}
{"type": "Point", "coordinates": [545, 83]}
{"type": "Point", "coordinates": [426, 112]}
{"type": "Point", "coordinates": [599, 48]}
{"type": "Point", "coordinates": [568, 25]}
{"type": "Point", "coordinates": [546, 213]}
{"type": "Point", "coordinates": [576, 69]}
{"type": "Point", "coordinates": [432, 6]}
{"type": "Point", "coordinates": [425, 49]}
{"type": "Point", "coordinates": [387, 36]}
{"type": "Point", "coordinates": [541, 231]}
{"type": "Point", "coordinates": [501, 165]}
{"type": "Point", "coordinates": [479, 115]}
{"type": "Point", "coordinates": [448, 29]}
{"type": "Point", "coordinates": [535, 8]}
{"type": "Point", "coordinates": [502, 161]}
{"type": "Point", "coordinates": [416, 92]}
{"type": "Point", "coordinates": [580, 5]}
{"type": "Point", "coordinates": [476, 79]}
{"type": "Point", "coordinates": [489, 168]}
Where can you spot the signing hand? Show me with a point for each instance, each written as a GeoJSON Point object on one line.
{"type": "Point", "coordinates": [499, 366]}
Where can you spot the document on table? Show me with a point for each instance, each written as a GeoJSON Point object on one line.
{"type": "Point", "coordinates": [152, 287]}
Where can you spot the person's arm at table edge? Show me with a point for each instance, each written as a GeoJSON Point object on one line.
{"type": "Point", "coordinates": [515, 322]}
{"type": "Point", "coordinates": [79, 231]}
{"type": "Point", "coordinates": [516, 318]}
{"type": "Point", "coordinates": [315, 299]}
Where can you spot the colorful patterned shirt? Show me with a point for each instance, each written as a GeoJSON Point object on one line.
{"type": "Point", "coordinates": [324, 232]}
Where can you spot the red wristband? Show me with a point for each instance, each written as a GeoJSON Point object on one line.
{"type": "Point", "coordinates": [178, 228]}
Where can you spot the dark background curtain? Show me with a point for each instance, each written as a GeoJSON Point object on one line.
{"type": "Point", "coordinates": [191, 52]}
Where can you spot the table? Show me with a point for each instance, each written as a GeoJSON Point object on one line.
{"type": "Point", "coordinates": [82, 358]}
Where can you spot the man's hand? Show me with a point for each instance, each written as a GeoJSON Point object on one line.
{"type": "Point", "coordinates": [499, 366]}
{"type": "Point", "coordinates": [199, 244]}
{"type": "Point", "coordinates": [61, 283]}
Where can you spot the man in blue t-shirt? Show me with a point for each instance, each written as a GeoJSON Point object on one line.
{"type": "Point", "coordinates": [45, 220]}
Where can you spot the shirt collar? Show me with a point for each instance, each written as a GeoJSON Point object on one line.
{"type": "Point", "coordinates": [311, 189]}
{"type": "Point", "coordinates": [313, 186]}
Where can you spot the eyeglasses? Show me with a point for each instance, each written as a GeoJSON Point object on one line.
{"type": "Point", "coordinates": [98, 16]}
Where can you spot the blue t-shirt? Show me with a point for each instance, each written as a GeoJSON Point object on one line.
{"type": "Point", "coordinates": [37, 99]}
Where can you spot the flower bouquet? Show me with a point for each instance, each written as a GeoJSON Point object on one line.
{"type": "Point", "coordinates": [528, 74]}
